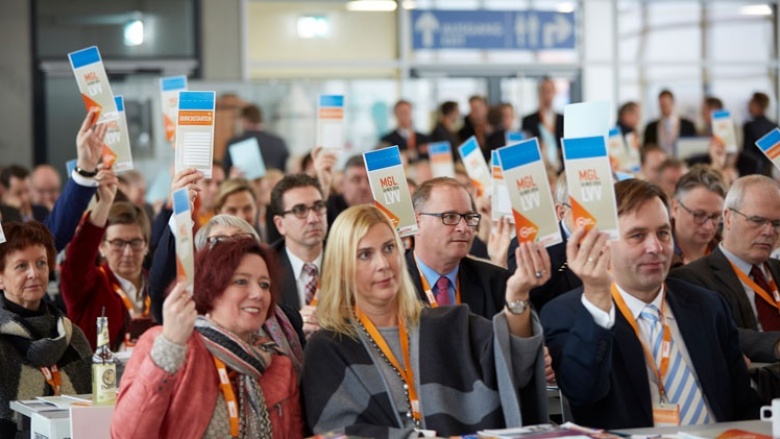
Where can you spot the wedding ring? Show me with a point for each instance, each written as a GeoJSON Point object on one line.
{"type": "Point", "coordinates": [539, 274]}
{"type": "Point", "coordinates": [590, 259]}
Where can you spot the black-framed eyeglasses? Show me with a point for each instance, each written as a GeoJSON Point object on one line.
{"type": "Point", "coordinates": [758, 222]}
{"type": "Point", "coordinates": [701, 218]}
{"type": "Point", "coordinates": [118, 245]}
{"type": "Point", "coordinates": [302, 211]}
{"type": "Point", "coordinates": [213, 240]}
{"type": "Point", "coordinates": [452, 218]}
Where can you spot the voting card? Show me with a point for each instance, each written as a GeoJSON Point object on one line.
{"type": "Point", "coordinates": [247, 158]}
{"type": "Point", "coordinates": [185, 248]}
{"type": "Point", "coordinates": [590, 184]}
{"type": "Point", "coordinates": [195, 132]}
{"type": "Point", "coordinates": [500, 205]}
{"type": "Point", "coordinates": [93, 83]}
{"type": "Point", "coordinates": [723, 128]}
{"type": "Point", "coordinates": [770, 146]}
{"type": "Point", "coordinates": [512, 137]}
{"type": "Point", "coordinates": [529, 191]}
{"type": "Point", "coordinates": [116, 143]}
{"type": "Point", "coordinates": [440, 156]}
{"type": "Point", "coordinates": [390, 189]}
{"type": "Point", "coordinates": [476, 168]}
{"type": "Point", "coordinates": [170, 87]}
{"type": "Point", "coordinates": [330, 123]}
{"type": "Point", "coordinates": [618, 154]}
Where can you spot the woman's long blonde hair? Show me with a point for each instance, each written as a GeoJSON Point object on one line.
{"type": "Point", "coordinates": [336, 300]}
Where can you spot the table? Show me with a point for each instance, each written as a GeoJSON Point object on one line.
{"type": "Point", "coordinates": [709, 430]}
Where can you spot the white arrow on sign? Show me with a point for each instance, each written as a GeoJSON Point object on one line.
{"type": "Point", "coordinates": [533, 30]}
{"type": "Point", "coordinates": [520, 30]}
{"type": "Point", "coordinates": [427, 24]}
{"type": "Point", "coordinates": [557, 32]}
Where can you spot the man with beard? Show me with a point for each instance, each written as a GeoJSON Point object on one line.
{"type": "Point", "coordinates": [633, 348]}
{"type": "Point", "coordinates": [300, 215]}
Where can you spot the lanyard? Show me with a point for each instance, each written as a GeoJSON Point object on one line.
{"type": "Point", "coordinates": [407, 374]}
{"type": "Point", "coordinates": [773, 300]}
{"type": "Point", "coordinates": [126, 300]}
{"type": "Point", "coordinates": [230, 396]}
{"type": "Point", "coordinates": [666, 341]}
{"type": "Point", "coordinates": [429, 292]}
{"type": "Point", "coordinates": [53, 377]}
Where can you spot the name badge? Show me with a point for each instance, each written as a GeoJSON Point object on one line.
{"type": "Point", "coordinates": [666, 414]}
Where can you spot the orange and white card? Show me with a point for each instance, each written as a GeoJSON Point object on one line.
{"type": "Point", "coordinates": [195, 131]}
{"type": "Point", "coordinates": [185, 250]}
{"type": "Point", "coordinates": [529, 191]}
{"type": "Point", "coordinates": [170, 87]}
{"type": "Point", "coordinates": [116, 143]}
{"type": "Point", "coordinates": [389, 188]}
{"type": "Point", "coordinates": [442, 164]}
{"type": "Point", "coordinates": [590, 184]}
{"type": "Point", "coordinates": [500, 205]}
{"type": "Point", "coordinates": [330, 123]}
{"type": "Point", "coordinates": [770, 146]}
{"type": "Point", "coordinates": [723, 128]}
{"type": "Point", "coordinates": [475, 164]}
{"type": "Point", "coordinates": [93, 83]}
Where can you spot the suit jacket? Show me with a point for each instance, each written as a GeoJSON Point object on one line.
{"type": "Point", "coordinates": [562, 280]}
{"type": "Point", "coordinates": [482, 285]}
{"type": "Point", "coordinates": [440, 133]}
{"type": "Point", "coordinates": [715, 273]}
{"type": "Point", "coordinates": [752, 131]}
{"type": "Point", "coordinates": [8, 214]}
{"type": "Point", "coordinates": [687, 129]}
{"type": "Point", "coordinates": [603, 372]}
{"type": "Point", "coordinates": [531, 122]}
{"type": "Point", "coordinates": [289, 286]}
{"type": "Point", "coordinates": [67, 212]}
{"type": "Point", "coordinates": [272, 148]}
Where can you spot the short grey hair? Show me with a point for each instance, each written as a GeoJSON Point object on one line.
{"type": "Point", "coordinates": [737, 192]}
{"type": "Point", "coordinates": [201, 238]}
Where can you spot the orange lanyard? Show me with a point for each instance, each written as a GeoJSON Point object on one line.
{"type": "Point", "coordinates": [407, 374]}
{"type": "Point", "coordinates": [429, 292]}
{"type": "Point", "coordinates": [773, 300]}
{"type": "Point", "coordinates": [230, 396]}
{"type": "Point", "coordinates": [126, 300]}
{"type": "Point", "coordinates": [53, 377]}
{"type": "Point", "coordinates": [666, 341]}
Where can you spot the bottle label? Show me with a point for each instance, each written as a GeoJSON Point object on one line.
{"type": "Point", "coordinates": [103, 339]}
{"type": "Point", "coordinates": [103, 383]}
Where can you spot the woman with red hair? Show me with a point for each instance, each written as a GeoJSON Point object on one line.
{"type": "Point", "coordinates": [206, 372]}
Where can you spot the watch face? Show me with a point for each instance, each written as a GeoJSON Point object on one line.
{"type": "Point", "coordinates": [517, 306]}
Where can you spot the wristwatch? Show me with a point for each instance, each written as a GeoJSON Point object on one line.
{"type": "Point", "coordinates": [84, 173]}
{"type": "Point", "coordinates": [518, 307]}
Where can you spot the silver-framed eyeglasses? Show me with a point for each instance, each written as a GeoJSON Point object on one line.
{"type": "Point", "coordinates": [700, 217]}
{"type": "Point", "coordinates": [758, 222]}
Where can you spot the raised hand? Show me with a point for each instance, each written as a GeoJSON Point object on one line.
{"type": "Point", "coordinates": [178, 315]}
{"type": "Point", "coordinates": [533, 270]}
{"type": "Point", "coordinates": [498, 241]}
{"type": "Point", "coordinates": [324, 161]}
{"type": "Point", "coordinates": [89, 142]}
{"type": "Point", "coordinates": [187, 178]}
{"type": "Point", "coordinates": [588, 256]}
{"type": "Point", "coordinates": [107, 185]}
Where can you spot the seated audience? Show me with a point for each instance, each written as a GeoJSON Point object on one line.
{"type": "Point", "coordinates": [752, 130]}
{"type": "Point", "coordinates": [16, 193]}
{"type": "Point", "coordinates": [447, 121]}
{"type": "Point", "coordinates": [382, 364]}
{"type": "Point", "coordinates": [669, 127]}
{"type": "Point", "coordinates": [118, 287]}
{"type": "Point", "coordinates": [605, 338]}
{"type": "Point", "coordinates": [273, 149]}
{"type": "Point", "coordinates": [238, 198]}
{"type": "Point", "coordinates": [207, 371]}
{"type": "Point", "coordinates": [650, 159]}
{"type": "Point", "coordinates": [697, 213]}
{"type": "Point", "coordinates": [413, 144]}
{"type": "Point", "coordinates": [740, 269]}
{"type": "Point", "coordinates": [669, 173]}
{"type": "Point", "coordinates": [41, 352]}
{"type": "Point", "coordinates": [45, 186]}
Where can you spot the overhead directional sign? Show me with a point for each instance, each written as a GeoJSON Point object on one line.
{"type": "Point", "coordinates": [487, 29]}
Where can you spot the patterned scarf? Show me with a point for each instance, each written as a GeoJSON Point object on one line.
{"type": "Point", "coordinates": [281, 331]}
{"type": "Point", "coordinates": [41, 340]}
{"type": "Point", "coordinates": [247, 360]}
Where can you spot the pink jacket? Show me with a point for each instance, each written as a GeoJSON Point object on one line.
{"type": "Point", "coordinates": [154, 404]}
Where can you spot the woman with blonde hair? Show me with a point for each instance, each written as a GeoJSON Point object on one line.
{"type": "Point", "coordinates": [384, 366]}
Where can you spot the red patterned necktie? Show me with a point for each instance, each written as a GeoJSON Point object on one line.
{"type": "Point", "coordinates": [443, 291]}
{"type": "Point", "coordinates": [311, 284]}
{"type": "Point", "coordinates": [767, 313]}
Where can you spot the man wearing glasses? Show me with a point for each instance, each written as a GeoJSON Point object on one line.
{"type": "Point", "coordinates": [697, 213]}
{"type": "Point", "coordinates": [438, 264]}
{"type": "Point", "coordinates": [300, 215]}
{"type": "Point", "coordinates": [740, 268]}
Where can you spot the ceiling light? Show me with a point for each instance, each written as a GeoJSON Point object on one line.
{"type": "Point", "coordinates": [755, 10]}
{"type": "Point", "coordinates": [565, 7]}
{"type": "Point", "coordinates": [372, 5]}
{"type": "Point", "coordinates": [313, 26]}
{"type": "Point", "coordinates": [134, 33]}
{"type": "Point", "coordinates": [409, 4]}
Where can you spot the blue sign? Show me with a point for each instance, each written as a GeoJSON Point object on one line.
{"type": "Point", "coordinates": [487, 29]}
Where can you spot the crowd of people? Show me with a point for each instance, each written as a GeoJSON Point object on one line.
{"type": "Point", "coordinates": [309, 314]}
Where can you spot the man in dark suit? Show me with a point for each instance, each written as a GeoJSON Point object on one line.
{"type": "Point", "coordinates": [15, 180]}
{"type": "Point", "coordinates": [411, 143]}
{"type": "Point", "coordinates": [751, 132]}
{"type": "Point", "coordinates": [562, 279]}
{"type": "Point", "coordinates": [438, 264]}
{"type": "Point", "coordinates": [272, 148]}
{"type": "Point", "coordinates": [299, 213]}
{"type": "Point", "coordinates": [547, 119]}
{"type": "Point", "coordinates": [665, 131]}
{"type": "Point", "coordinates": [740, 268]}
{"type": "Point", "coordinates": [444, 131]}
{"type": "Point", "coordinates": [628, 325]}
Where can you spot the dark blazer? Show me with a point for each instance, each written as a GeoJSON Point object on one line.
{"type": "Point", "coordinates": [714, 272]}
{"type": "Point", "coordinates": [562, 280]}
{"type": "Point", "coordinates": [687, 129]}
{"type": "Point", "coordinates": [440, 133]}
{"type": "Point", "coordinates": [336, 204]}
{"type": "Point", "coordinates": [66, 214]}
{"type": "Point", "coordinates": [482, 285]}
{"type": "Point", "coordinates": [751, 132]}
{"type": "Point", "coordinates": [272, 148]}
{"type": "Point", "coordinates": [8, 214]}
{"type": "Point", "coordinates": [289, 286]}
{"type": "Point", "coordinates": [603, 372]}
{"type": "Point", "coordinates": [531, 122]}
{"type": "Point", "coordinates": [395, 138]}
